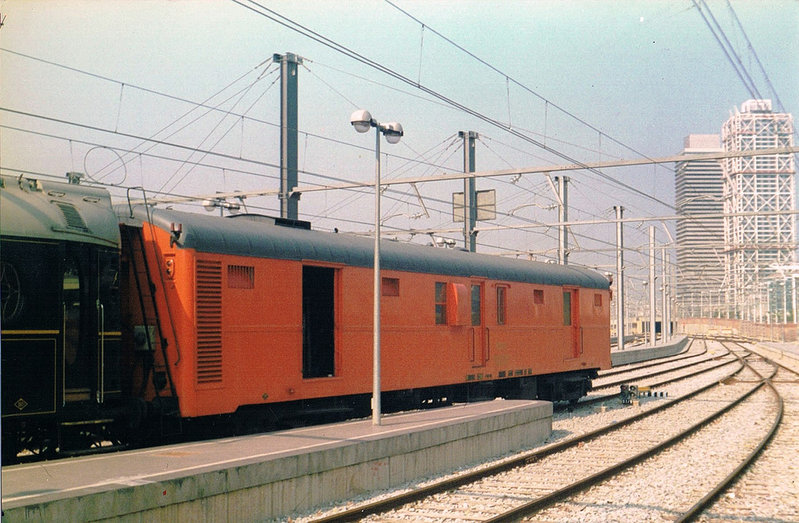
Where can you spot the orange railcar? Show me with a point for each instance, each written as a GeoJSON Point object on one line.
{"type": "Point", "coordinates": [227, 314]}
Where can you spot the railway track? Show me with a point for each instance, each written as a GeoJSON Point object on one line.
{"type": "Point", "coordinates": [768, 488]}
{"type": "Point", "coordinates": [536, 479]}
{"type": "Point", "coordinates": [692, 350]}
{"type": "Point", "coordinates": [618, 375]}
{"type": "Point", "coordinates": [676, 483]}
{"type": "Point", "coordinates": [655, 375]}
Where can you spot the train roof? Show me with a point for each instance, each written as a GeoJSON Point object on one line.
{"type": "Point", "coordinates": [262, 238]}
{"type": "Point", "coordinates": [50, 210]}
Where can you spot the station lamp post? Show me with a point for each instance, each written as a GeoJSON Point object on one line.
{"type": "Point", "coordinates": [644, 330]}
{"type": "Point", "coordinates": [362, 121]}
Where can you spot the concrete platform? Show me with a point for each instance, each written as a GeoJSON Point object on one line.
{"type": "Point", "coordinates": [637, 355]}
{"type": "Point", "coordinates": [266, 476]}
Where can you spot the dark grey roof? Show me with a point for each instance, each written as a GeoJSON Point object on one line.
{"type": "Point", "coordinates": [260, 238]}
{"type": "Point", "coordinates": [51, 210]}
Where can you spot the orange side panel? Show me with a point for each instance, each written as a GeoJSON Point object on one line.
{"type": "Point", "coordinates": [261, 332]}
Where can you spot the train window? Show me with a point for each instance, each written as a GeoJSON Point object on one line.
{"type": "Point", "coordinates": [441, 303]}
{"type": "Point", "coordinates": [476, 305]}
{"type": "Point", "coordinates": [501, 305]}
{"type": "Point", "coordinates": [79, 302]}
{"type": "Point", "coordinates": [108, 287]}
{"type": "Point", "coordinates": [390, 286]}
{"type": "Point", "coordinates": [240, 277]}
{"type": "Point", "coordinates": [597, 300]}
{"type": "Point", "coordinates": [567, 308]}
{"type": "Point", "coordinates": [72, 310]}
{"type": "Point", "coordinates": [538, 296]}
{"type": "Point", "coordinates": [30, 286]}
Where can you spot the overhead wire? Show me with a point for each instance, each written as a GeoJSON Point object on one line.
{"type": "Point", "coordinates": [244, 93]}
{"type": "Point", "coordinates": [276, 17]}
{"type": "Point", "coordinates": [216, 108]}
{"type": "Point", "coordinates": [518, 83]}
{"type": "Point", "coordinates": [122, 84]}
{"type": "Point", "coordinates": [342, 95]}
{"type": "Point", "coordinates": [159, 142]}
{"type": "Point", "coordinates": [128, 84]}
{"type": "Point", "coordinates": [390, 192]}
{"type": "Point", "coordinates": [415, 194]}
{"type": "Point", "coordinates": [381, 84]}
{"type": "Point", "coordinates": [197, 106]}
{"type": "Point", "coordinates": [751, 86]}
{"type": "Point", "coordinates": [541, 191]}
{"type": "Point", "coordinates": [544, 193]}
{"type": "Point", "coordinates": [754, 55]}
{"type": "Point", "coordinates": [145, 154]}
{"type": "Point", "coordinates": [727, 48]}
{"type": "Point", "coordinates": [204, 104]}
{"type": "Point", "coordinates": [508, 79]}
{"type": "Point", "coordinates": [752, 51]}
{"type": "Point", "coordinates": [156, 142]}
{"type": "Point", "coordinates": [390, 210]}
{"type": "Point", "coordinates": [349, 200]}
{"type": "Point", "coordinates": [134, 86]}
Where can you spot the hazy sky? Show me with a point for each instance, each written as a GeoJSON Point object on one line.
{"type": "Point", "coordinates": [638, 77]}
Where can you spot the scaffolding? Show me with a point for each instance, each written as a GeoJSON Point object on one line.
{"type": "Point", "coordinates": [755, 244]}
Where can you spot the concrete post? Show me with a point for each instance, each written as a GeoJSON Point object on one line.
{"type": "Point", "coordinates": [469, 192]}
{"type": "Point", "coordinates": [652, 289]}
{"type": "Point", "coordinates": [619, 276]}
{"type": "Point", "coordinates": [664, 309]}
{"type": "Point", "coordinates": [288, 134]}
{"type": "Point", "coordinates": [563, 217]}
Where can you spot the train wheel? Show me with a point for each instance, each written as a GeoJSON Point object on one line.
{"type": "Point", "coordinates": [38, 445]}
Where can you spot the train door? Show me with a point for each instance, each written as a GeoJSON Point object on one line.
{"type": "Point", "coordinates": [109, 324]}
{"type": "Point", "coordinates": [77, 328]}
{"type": "Point", "coordinates": [318, 322]}
{"type": "Point", "coordinates": [571, 318]}
{"type": "Point", "coordinates": [479, 331]}
{"type": "Point", "coordinates": [90, 323]}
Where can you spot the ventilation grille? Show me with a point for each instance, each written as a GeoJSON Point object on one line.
{"type": "Point", "coordinates": [240, 276]}
{"type": "Point", "coordinates": [72, 216]}
{"type": "Point", "coordinates": [209, 322]}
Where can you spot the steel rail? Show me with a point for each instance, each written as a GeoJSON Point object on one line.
{"type": "Point", "coordinates": [654, 362]}
{"type": "Point", "coordinates": [607, 397]}
{"type": "Point", "coordinates": [404, 498]}
{"type": "Point", "coordinates": [528, 508]}
{"type": "Point", "coordinates": [653, 373]}
{"type": "Point", "coordinates": [693, 512]}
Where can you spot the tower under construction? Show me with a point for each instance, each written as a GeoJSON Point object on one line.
{"type": "Point", "coordinates": [758, 239]}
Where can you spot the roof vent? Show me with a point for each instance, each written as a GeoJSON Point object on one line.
{"type": "Point", "coordinates": [72, 216]}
